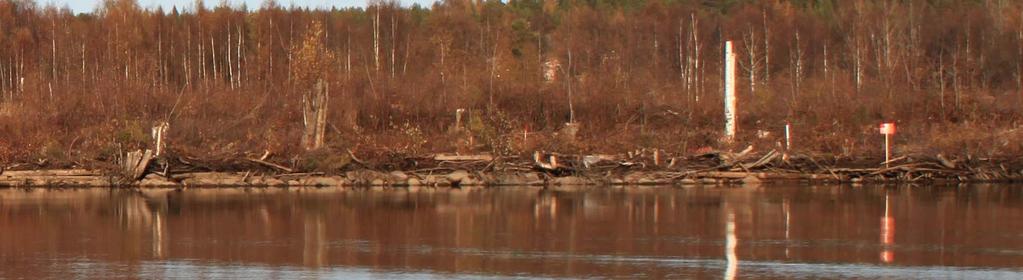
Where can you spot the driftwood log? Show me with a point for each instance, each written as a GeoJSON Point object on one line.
{"type": "Point", "coordinates": [135, 163]}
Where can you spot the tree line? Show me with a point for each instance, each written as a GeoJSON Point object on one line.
{"type": "Point", "coordinates": [234, 77]}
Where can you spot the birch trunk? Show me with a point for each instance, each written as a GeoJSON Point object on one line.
{"type": "Point", "coordinates": [376, 40]}
{"type": "Point", "coordinates": [695, 68]}
{"type": "Point", "coordinates": [797, 69]}
{"type": "Point", "coordinates": [348, 55]}
{"type": "Point", "coordinates": [314, 116]}
{"type": "Point", "coordinates": [213, 53]}
{"type": "Point", "coordinates": [941, 81]}
{"type": "Point", "coordinates": [682, 61]}
{"type": "Point", "coordinates": [729, 91]}
{"type": "Point", "coordinates": [230, 65]}
{"type": "Point", "coordinates": [750, 42]}
{"type": "Point", "coordinates": [767, 51]}
{"type": "Point", "coordinates": [394, 42]}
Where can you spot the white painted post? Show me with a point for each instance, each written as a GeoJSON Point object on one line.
{"type": "Point", "coordinates": [887, 151]}
{"type": "Point", "coordinates": [788, 136]}
{"type": "Point", "coordinates": [887, 129]}
{"type": "Point", "coordinates": [730, 110]}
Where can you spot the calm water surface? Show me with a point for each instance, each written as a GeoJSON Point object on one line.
{"type": "Point", "coordinates": [831, 232]}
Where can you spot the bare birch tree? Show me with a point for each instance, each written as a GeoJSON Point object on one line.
{"type": "Point", "coordinates": [753, 57]}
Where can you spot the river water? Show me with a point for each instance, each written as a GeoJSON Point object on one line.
{"type": "Point", "coordinates": [768, 232]}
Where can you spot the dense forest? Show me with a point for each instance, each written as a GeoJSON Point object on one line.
{"type": "Point", "coordinates": [80, 88]}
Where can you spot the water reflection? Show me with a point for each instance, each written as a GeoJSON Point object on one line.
{"type": "Point", "coordinates": [641, 232]}
{"type": "Point", "coordinates": [732, 262]}
{"type": "Point", "coordinates": [887, 234]}
{"type": "Point", "coordinates": [142, 220]}
{"type": "Point", "coordinates": [788, 225]}
{"type": "Point", "coordinates": [314, 250]}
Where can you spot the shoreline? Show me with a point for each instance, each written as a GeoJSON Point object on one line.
{"type": "Point", "coordinates": [71, 178]}
{"type": "Point", "coordinates": [544, 169]}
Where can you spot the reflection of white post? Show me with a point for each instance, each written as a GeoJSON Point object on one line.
{"type": "Point", "coordinates": [158, 232]}
{"type": "Point", "coordinates": [730, 110]}
{"type": "Point", "coordinates": [788, 220]}
{"type": "Point", "coordinates": [731, 261]}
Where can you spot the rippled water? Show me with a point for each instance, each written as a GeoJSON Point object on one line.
{"type": "Point", "coordinates": [808, 232]}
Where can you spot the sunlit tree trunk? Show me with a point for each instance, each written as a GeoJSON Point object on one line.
{"type": "Point", "coordinates": [767, 50]}
{"type": "Point", "coordinates": [376, 39]}
{"type": "Point", "coordinates": [753, 65]}
{"type": "Point", "coordinates": [797, 68]}
{"type": "Point", "coordinates": [694, 69]}
{"type": "Point", "coordinates": [230, 65]}
{"type": "Point", "coordinates": [394, 41]}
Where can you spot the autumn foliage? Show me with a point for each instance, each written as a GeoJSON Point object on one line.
{"type": "Point", "coordinates": [641, 74]}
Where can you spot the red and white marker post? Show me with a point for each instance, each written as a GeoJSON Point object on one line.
{"type": "Point", "coordinates": [888, 129]}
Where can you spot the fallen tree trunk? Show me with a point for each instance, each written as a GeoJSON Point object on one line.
{"type": "Point", "coordinates": [135, 163]}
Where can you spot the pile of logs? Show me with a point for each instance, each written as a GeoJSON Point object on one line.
{"type": "Point", "coordinates": [778, 165]}
{"type": "Point", "coordinates": [644, 166]}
